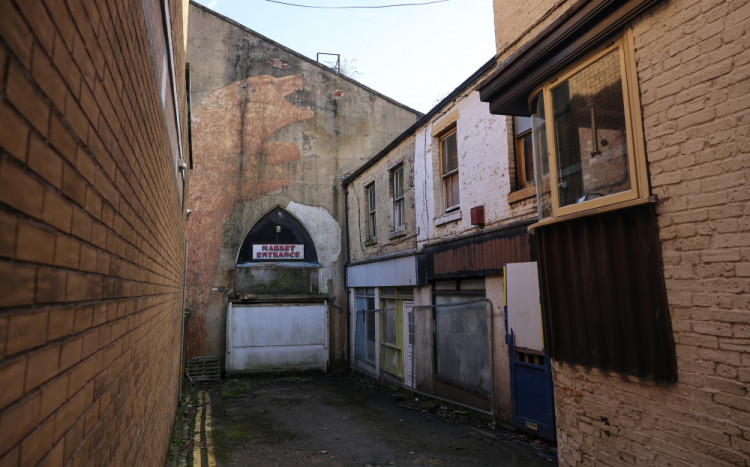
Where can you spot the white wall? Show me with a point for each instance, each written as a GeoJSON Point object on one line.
{"type": "Point", "coordinates": [482, 142]}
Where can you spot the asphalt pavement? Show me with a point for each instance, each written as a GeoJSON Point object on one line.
{"type": "Point", "coordinates": [341, 419]}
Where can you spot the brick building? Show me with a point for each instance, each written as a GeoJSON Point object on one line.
{"type": "Point", "coordinates": [643, 219]}
{"type": "Point", "coordinates": [93, 145]}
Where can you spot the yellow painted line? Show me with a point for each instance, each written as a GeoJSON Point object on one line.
{"type": "Point", "coordinates": [197, 431]}
{"type": "Point", "coordinates": [209, 437]}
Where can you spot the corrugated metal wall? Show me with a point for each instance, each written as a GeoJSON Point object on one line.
{"type": "Point", "coordinates": [478, 254]}
{"type": "Point", "coordinates": [603, 295]}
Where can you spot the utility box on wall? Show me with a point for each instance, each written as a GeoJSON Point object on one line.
{"type": "Point", "coordinates": [477, 215]}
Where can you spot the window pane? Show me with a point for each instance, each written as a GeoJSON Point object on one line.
{"type": "Point", "coordinates": [389, 324]}
{"type": "Point", "coordinates": [398, 183]}
{"type": "Point", "coordinates": [454, 190]}
{"type": "Point", "coordinates": [541, 158]}
{"type": "Point", "coordinates": [449, 152]}
{"type": "Point", "coordinates": [398, 213]}
{"type": "Point", "coordinates": [590, 133]}
{"type": "Point", "coordinates": [528, 158]}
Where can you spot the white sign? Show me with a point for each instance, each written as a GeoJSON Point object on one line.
{"type": "Point", "coordinates": [276, 251]}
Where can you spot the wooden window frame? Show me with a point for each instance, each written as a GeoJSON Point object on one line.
{"type": "Point", "coordinates": [451, 130]}
{"type": "Point", "coordinates": [633, 122]}
{"type": "Point", "coordinates": [371, 200]}
{"type": "Point", "coordinates": [520, 159]}
{"type": "Point", "coordinates": [397, 199]}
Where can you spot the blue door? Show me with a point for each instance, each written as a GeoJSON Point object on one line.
{"type": "Point", "coordinates": [530, 375]}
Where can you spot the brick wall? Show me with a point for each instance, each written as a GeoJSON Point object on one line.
{"type": "Point", "coordinates": [693, 65]}
{"type": "Point", "coordinates": [91, 236]}
{"type": "Point", "coordinates": [380, 175]}
{"type": "Point", "coordinates": [518, 20]}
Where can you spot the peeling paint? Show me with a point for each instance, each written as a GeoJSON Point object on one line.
{"type": "Point", "coordinates": [277, 63]}
{"type": "Point", "coordinates": [326, 234]}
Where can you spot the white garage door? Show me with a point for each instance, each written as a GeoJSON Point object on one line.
{"type": "Point", "coordinates": [277, 337]}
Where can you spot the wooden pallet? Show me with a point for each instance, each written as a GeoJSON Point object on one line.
{"type": "Point", "coordinates": [203, 370]}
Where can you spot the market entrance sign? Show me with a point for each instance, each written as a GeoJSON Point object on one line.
{"type": "Point", "coordinates": [278, 252]}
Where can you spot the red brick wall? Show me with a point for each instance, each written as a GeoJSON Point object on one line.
{"type": "Point", "coordinates": [91, 236]}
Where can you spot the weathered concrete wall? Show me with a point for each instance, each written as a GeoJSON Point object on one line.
{"type": "Point", "coordinates": [270, 128]}
{"type": "Point", "coordinates": [379, 174]}
{"type": "Point", "coordinates": [92, 233]}
{"type": "Point", "coordinates": [693, 63]}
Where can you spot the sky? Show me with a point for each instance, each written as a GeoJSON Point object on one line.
{"type": "Point", "coordinates": [415, 55]}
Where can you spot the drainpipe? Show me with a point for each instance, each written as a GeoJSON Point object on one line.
{"type": "Point", "coordinates": [346, 265]}
{"type": "Point", "coordinates": [182, 331]}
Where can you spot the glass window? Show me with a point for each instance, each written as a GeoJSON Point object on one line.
{"type": "Point", "coordinates": [449, 168]}
{"type": "Point", "coordinates": [524, 152]}
{"type": "Point", "coordinates": [586, 150]}
{"type": "Point", "coordinates": [397, 194]}
{"type": "Point", "coordinates": [590, 132]}
{"type": "Point", "coordinates": [370, 192]}
{"type": "Point", "coordinates": [365, 331]}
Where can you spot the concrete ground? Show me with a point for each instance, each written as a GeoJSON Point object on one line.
{"type": "Point", "coordinates": [339, 419]}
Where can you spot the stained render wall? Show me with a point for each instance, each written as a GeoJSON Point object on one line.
{"type": "Point", "coordinates": [91, 236]}
{"type": "Point", "coordinates": [270, 128]}
{"type": "Point", "coordinates": [693, 65]}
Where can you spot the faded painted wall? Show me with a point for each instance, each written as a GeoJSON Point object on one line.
{"type": "Point", "coordinates": [270, 128]}
{"type": "Point", "coordinates": [484, 177]}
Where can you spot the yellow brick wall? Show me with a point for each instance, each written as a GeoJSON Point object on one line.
{"type": "Point", "coordinates": [380, 175]}
{"type": "Point", "coordinates": [91, 237]}
{"type": "Point", "coordinates": [693, 65]}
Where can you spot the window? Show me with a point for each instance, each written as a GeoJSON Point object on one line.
{"type": "Point", "coordinates": [397, 195]}
{"type": "Point", "coordinates": [370, 194]}
{"type": "Point", "coordinates": [449, 168]}
{"type": "Point", "coordinates": [587, 135]}
{"type": "Point", "coordinates": [365, 327]}
{"type": "Point", "coordinates": [524, 152]}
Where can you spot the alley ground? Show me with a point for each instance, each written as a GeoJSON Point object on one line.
{"type": "Point", "coordinates": [337, 419]}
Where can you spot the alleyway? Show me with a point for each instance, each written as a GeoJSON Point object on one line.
{"type": "Point", "coordinates": [339, 420]}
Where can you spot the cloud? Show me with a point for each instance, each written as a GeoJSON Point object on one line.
{"type": "Point", "coordinates": [213, 3]}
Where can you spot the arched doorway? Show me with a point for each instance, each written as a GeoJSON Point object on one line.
{"type": "Point", "coordinates": [278, 319]}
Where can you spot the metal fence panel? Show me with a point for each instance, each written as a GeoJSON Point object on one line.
{"type": "Point", "coordinates": [462, 355]}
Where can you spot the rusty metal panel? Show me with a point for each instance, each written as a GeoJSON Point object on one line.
{"type": "Point", "coordinates": [604, 300]}
{"type": "Point", "coordinates": [481, 254]}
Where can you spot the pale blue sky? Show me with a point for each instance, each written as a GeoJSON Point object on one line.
{"type": "Point", "coordinates": [413, 54]}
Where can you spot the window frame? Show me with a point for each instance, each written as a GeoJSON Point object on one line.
{"type": "Point", "coordinates": [633, 124]}
{"type": "Point", "coordinates": [520, 160]}
{"type": "Point", "coordinates": [451, 130]}
{"type": "Point", "coordinates": [397, 224]}
{"type": "Point", "coordinates": [371, 218]}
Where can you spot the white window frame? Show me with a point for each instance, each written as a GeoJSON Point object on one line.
{"type": "Point", "coordinates": [398, 203]}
